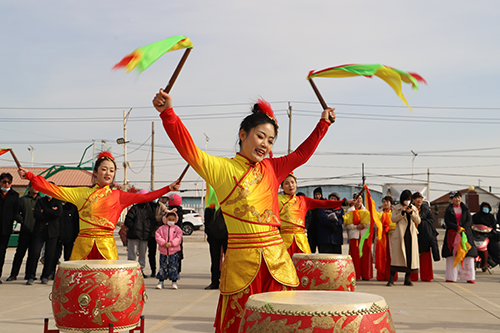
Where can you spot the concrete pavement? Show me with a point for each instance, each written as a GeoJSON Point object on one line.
{"type": "Point", "coordinates": [426, 307]}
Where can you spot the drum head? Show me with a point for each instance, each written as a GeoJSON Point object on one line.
{"type": "Point", "coordinates": [324, 256]}
{"type": "Point", "coordinates": [313, 303]}
{"type": "Point", "coordinates": [99, 264]}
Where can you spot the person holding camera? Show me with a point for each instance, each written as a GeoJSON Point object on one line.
{"type": "Point", "coordinates": [404, 239]}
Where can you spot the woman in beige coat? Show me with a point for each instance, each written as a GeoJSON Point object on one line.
{"type": "Point", "coordinates": [404, 239]}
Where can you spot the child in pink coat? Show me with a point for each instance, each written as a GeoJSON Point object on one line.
{"type": "Point", "coordinates": [169, 238]}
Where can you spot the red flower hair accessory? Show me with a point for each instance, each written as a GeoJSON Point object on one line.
{"type": "Point", "coordinates": [106, 155]}
{"type": "Point", "coordinates": [266, 109]}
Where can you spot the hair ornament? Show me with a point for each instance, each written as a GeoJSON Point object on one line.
{"type": "Point", "coordinates": [106, 155]}
{"type": "Point", "coordinates": [266, 109]}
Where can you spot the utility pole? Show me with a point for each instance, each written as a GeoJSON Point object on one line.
{"type": "Point", "coordinates": [363, 177]}
{"type": "Point", "coordinates": [152, 156]}
{"type": "Point", "coordinates": [202, 197]}
{"type": "Point", "coordinates": [125, 162]}
{"type": "Point", "coordinates": [428, 185]}
{"type": "Point", "coordinates": [289, 112]}
{"type": "Point", "coordinates": [412, 163]}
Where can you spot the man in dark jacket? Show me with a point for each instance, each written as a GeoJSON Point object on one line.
{"type": "Point", "coordinates": [27, 212]}
{"type": "Point", "coordinates": [70, 226]}
{"type": "Point", "coordinates": [47, 214]}
{"type": "Point", "coordinates": [140, 221]}
{"type": "Point", "coordinates": [312, 222]}
{"type": "Point", "coordinates": [427, 240]}
{"type": "Point", "coordinates": [330, 236]}
{"type": "Point", "coordinates": [9, 212]}
{"type": "Point", "coordinates": [217, 237]}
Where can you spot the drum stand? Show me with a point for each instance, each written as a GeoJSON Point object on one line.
{"type": "Point", "coordinates": [139, 328]}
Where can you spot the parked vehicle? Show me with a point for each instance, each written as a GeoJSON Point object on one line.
{"type": "Point", "coordinates": [191, 221]}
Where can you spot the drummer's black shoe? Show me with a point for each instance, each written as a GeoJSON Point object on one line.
{"type": "Point", "coordinates": [30, 282]}
{"type": "Point", "coordinates": [212, 286]}
{"type": "Point", "coordinates": [11, 278]}
{"type": "Point", "coordinates": [153, 275]}
{"type": "Point", "coordinates": [44, 281]}
{"type": "Point", "coordinates": [390, 284]}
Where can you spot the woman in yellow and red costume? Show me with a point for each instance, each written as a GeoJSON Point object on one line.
{"type": "Point", "coordinates": [293, 211]}
{"type": "Point", "coordinates": [99, 207]}
{"type": "Point", "coordinates": [256, 259]}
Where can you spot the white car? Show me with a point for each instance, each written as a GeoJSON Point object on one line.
{"type": "Point", "coordinates": [191, 221]}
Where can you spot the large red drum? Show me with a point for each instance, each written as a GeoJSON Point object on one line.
{"type": "Point", "coordinates": [316, 311]}
{"type": "Point", "coordinates": [325, 271]}
{"type": "Point", "coordinates": [88, 295]}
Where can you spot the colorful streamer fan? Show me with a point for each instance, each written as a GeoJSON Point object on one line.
{"type": "Point", "coordinates": [4, 150]}
{"type": "Point", "coordinates": [374, 220]}
{"type": "Point", "coordinates": [145, 56]}
{"type": "Point", "coordinates": [392, 76]}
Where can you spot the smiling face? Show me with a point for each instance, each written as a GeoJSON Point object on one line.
{"type": "Point", "coordinates": [289, 185]}
{"type": "Point", "coordinates": [359, 202]}
{"type": "Point", "coordinates": [386, 204]}
{"type": "Point", "coordinates": [258, 142]}
{"type": "Point", "coordinates": [105, 173]}
{"type": "Point", "coordinates": [456, 200]}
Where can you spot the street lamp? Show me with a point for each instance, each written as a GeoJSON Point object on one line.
{"type": "Point", "coordinates": [31, 149]}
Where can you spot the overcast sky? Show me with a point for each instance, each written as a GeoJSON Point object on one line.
{"type": "Point", "coordinates": [58, 93]}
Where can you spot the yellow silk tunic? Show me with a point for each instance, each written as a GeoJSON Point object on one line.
{"type": "Point", "coordinates": [248, 194]}
{"type": "Point", "coordinates": [98, 209]}
{"type": "Point", "coordinates": [293, 210]}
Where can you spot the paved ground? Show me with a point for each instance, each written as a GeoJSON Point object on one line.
{"type": "Point", "coordinates": [426, 307]}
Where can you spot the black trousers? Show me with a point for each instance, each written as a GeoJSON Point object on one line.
{"type": "Point", "coordinates": [4, 242]}
{"type": "Point", "coordinates": [215, 246]}
{"type": "Point", "coordinates": [152, 254]}
{"type": "Point", "coordinates": [23, 245]}
{"type": "Point", "coordinates": [313, 243]}
{"type": "Point", "coordinates": [34, 254]}
{"type": "Point", "coordinates": [330, 248]}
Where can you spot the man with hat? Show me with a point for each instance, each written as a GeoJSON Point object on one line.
{"type": "Point", "coordinates": [427, 240]}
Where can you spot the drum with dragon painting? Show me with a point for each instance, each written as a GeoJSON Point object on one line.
{"type": "Point", "coordinates": [325, 271]}
{"type": "Point", "coordinates": [88, 295]}
{"type": "Point", "coordinates": [311, 311]}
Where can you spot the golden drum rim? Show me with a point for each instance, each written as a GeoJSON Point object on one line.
{"type": "Point", "coordinates": [97, 329]}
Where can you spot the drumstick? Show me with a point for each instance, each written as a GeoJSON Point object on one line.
{"type": "Point", "coordinates": [15, 159]}
{"type": "Point", "coordinates": [360, 193]}
{"type": "Point", "coordinates": [177, 71]}
{"type": "Point", "coordinates": [183, 172]}
{"type": "Point", "coordinates": [320, 98]}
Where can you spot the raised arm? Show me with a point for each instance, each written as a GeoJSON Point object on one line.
{"type": "Point", "coordinates": [207, 166]}
{"type": "Point", "coordinates": [315, 203]}
{"type": "Point", "coordinates": [127, 199]}
{"type": "Point", "coordinates": [41, 184]}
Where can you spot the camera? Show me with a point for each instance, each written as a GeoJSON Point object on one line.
{"type": "Point", "coordinates": [410, 205]}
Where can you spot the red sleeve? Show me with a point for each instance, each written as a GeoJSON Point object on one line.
{"type": "Point", "coordinates": [127, 199]}
{"type": "Point", "coordinates": [315, 203]}
{"type": "Point", "coordinates": [286, 164]}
